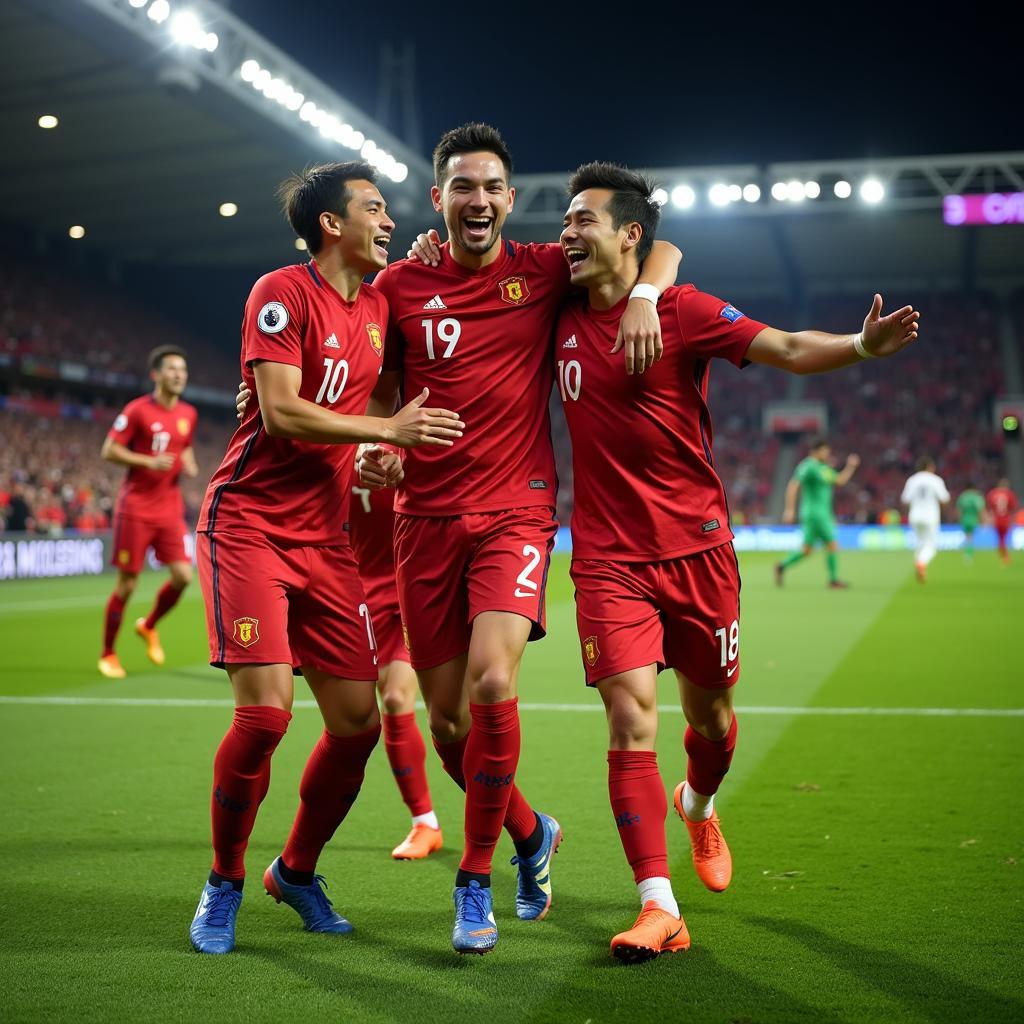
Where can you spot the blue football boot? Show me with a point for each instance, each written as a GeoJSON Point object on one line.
{"type": "Point", "coordinates": [474, 930]}
{"type": "Point", "coordinates": [308, 901]}
{"type": "Point", "coordinates": [213, 927]}
{"type": "Point", "coordinates": [533, 888]}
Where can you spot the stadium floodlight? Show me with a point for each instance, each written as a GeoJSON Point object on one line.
{"type": "Point", "coordinates": [683, 197]}
{"type": "Point", "coordinates": [401, 172]}
{"type": "Point", "coordinates": [356, 141]}
{"type": "Point", "coordinates": [227, 209]}
{"type": "Point", "coordinates": [137, 3]}
{"type": "Point", "coordinates": [735, 193]}
{"type": "Point", "coordinates": [300, 244]}
{"type": "Point", "coordinates": [812, 189]}
{"type": "Point", "coordinates": [328, 126]}
{"type": "Point", "coordinates": [307, 111]}
{"type": "Point", "coordinates": [185, 27]}
{"type": "Point", "coordinates": [76, 231]}
{"type": "Point", "coordinates": [211, 42]}
{"type": "Point", "coordinates": [780, 192]}
{"type": "Point", "coordinates": [249, 70]}
{"type": "Point", "coordinates": [795, 191]}
{"type": "Point", "coordinates": [843, 189]}
{"type": "Point", "coordinates": [159, 11]}
{"type": "Point", "coordinates": [294, 100]}
{"type": "Point", "coordinates": [262, 79]}
{"type": "Point", "coordinates": [718, 194]}
{"type": "Point", "coordinates": [751, 193]}
{"type": "Point", "coordinates": [48, 121]}
{"type": "Point", "coordinates": [872, 190]}
{"type": "Point", "coordinates": [659, 196]}
{"type": "Point", "coordinates": [368, 149]}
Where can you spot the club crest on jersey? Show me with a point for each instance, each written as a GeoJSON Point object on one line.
{"type": "Point", "coordinates": [514, 290]}
{"type": "Point", "coordinates": [272, 318]}
{"type": "Point", "coordinates": [121, 422]}
{"type": "Point", "coordinates": [376, 337]}
{"type": "Point", "coordinates": [732, 314]}
{"type": "Point", "coordinates": [591, 651]}
{"type": "Point", "coordinates": [183, 426]}
{"type": "Point", "coordinates": [247, 631]}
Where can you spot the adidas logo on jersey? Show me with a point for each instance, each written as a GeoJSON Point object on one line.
{"type": "Point", "coordinates": [571, 343]}
{"type": "Point", "coordinates": [332, 342]}
{"type": "Point", "coordinates": [435, 303]}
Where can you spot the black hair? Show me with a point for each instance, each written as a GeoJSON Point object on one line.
{"type": "Point", "coordinates": [320, 188]}
{"type": "Point", "coordinates": [161, 352]}
{"type": "Point", "coordinates": [473, 137]}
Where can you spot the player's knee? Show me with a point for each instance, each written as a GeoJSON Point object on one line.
{"type": "Point", "coordinates": [354, 720]}
{"type": "Point", "coordinates": [712, 722]}
{"type": "Point", "coordinates": [630, 723]}
{"type": "Point", "coordinates": [448, 727]}
{"type": "Point", "coordinates": [395, 702]}
{"type": "Point", "coordinates": [181, 576]}
{"type": "Point", "coordinates": [125, 587]}
{"type": "Point", "coordinates": [491, 685]}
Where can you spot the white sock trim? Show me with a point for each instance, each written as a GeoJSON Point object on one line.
{"type": "Point", "coordinates": [697, 807]}
{"type": "Point", "coordinates": [430, 818]}
{"type": "Point", "coordinates": [658, 889]}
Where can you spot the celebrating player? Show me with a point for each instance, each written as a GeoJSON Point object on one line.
{"type": "Point", "coordinates": [152, 436]}
{"type": "Point", "coordinates": [1002, 503]}
{"type": "Point", "coordinates": [970, 507]}
{"type": "Point", "coordinates": [372, 518]}
{"type": "Point", "coordinates": [278, 574]}
{"type": "Point", "coordinates": [474, 531]}
{"type": "Point", "coordinates": [656, 578]}
{"type": "Point", "coordinates": [815, 480]}
{"type": "Point", "coordinates": [925, 492]}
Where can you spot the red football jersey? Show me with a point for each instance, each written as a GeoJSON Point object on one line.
{"type": "Point", "coordinates": [645, 483]}
{"type": "Point", "coordinates": [149, 428]}
{"type": "Point", "coordinates": [372, 532]}
{"type": "Point", "coordinates": [294, 491]}
{"type": "Point", "coordinates": [481, 341]}
{"type": "Point", "coordinates": [1002, 502]}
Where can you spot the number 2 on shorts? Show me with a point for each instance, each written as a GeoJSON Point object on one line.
{"type": "Point", "coordinates": [527, 587]}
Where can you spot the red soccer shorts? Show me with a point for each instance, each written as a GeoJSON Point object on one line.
{"type": "Point", "coordinates": [452, 568]}
{"type": "Point", "coordinates": [302, 606]}
{"type": "Point", "coordinates": [1002, 527]}
{"type": "Point", "coordinates": [682, 613]}
{"type": "Point", "coordinates": [133, 536]}
{"type": "Point", "coordinates": [382, 597]}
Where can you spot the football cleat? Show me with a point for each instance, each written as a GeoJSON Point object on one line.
{"type": "Point", "coordinates": [111, 667]}
{"type": "Point", "coordinates": [421, 842]}
{"type": "Point", "coordinates": [154, 651]}
{"type": "Point", "coordinates": [779, 572]}
{"type": "Point", "coordinates": [213, 927]}
{"type": "Point", "coordinates": [308, 901]}
{"type": "Point", "coordinates": [533, 887]}
{"type": "Point", "coordinates": [838, 585]}
{"type": "Point", "coordinates": [656, 931]}
{"type": "Point", "coordinates": [711, 857]}
{"type": "Point", "coordinates": [475, 930]}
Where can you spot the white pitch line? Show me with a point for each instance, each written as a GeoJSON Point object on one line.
{"type": "Point", "coordinates": [196, 702]}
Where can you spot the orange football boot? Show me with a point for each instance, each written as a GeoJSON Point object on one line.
{"type": "Point", "coordinates": [154, 651]}
{"type": "Point", "coordinates": [656, 931]}
{"type": "Point", "coordinates": [110, 666]}
{"type": "Point", "coordinates": [421, 842]}
{"type": "Point", "coordinates": [711, 856]}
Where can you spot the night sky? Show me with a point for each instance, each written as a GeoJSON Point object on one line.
{"type": "Point", "coordinates": [667, 85]}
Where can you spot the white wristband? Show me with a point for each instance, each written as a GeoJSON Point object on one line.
{"type": "Point", "coordinates": [645, 291]}
{"type": "Point", "coordinates": [858, 347]}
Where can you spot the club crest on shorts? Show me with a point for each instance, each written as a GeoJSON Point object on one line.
{"type": "Point", "coordinates": [247, 631]}
{"type": "Point", "coordinates": [591, 651]}
{"type": "Point", "coordinates": [514, 290]}
{"type": "Point", "coordinates": [376, 337]}
{"type": "Point", "coordinates": [124, 556]}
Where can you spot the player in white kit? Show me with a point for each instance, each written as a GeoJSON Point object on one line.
{"type": "Point", "coordinates": [925, 492]}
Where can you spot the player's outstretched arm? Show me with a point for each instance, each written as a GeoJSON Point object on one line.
{"type": "Point", "coordinates": [845, 475]}
{"type": "Point", "coordinates": [114, 451]}
{"type": "Point", "coordinates": [640, 327]}
{"type": "Point", "coordinates": [818, 352]}
{"type": "Point", "coordinates": [287, 415]}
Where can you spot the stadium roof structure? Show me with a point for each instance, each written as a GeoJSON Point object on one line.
{"type": "Point", "coordinates": [160, 124]}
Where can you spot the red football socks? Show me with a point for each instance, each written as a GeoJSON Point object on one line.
{"type": "Point", "coordinates": [639, 805]}
{"type": "Point", "coordinates": [489, 765]}
{"type": "Point", "coordinates": [407, 755]}
{"type": "Point", "coordinates": [112, 623]}
{"type": "Point", "coordinates": [709, 760]}
{"type": "Point", "coordinates": [241, 777]}
{"type": "Point", "coordinates": [166, 598]}
{"type": "Point", "coordinates": [520, 820]}
{"type": "Point", "coordinates": [329, 787]}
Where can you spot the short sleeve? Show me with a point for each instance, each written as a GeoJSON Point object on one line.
{"type": "Point", "coordinates": [713, 328]}
{"type": "Point", "coordinates": [124, 427]}
{"type": "Point", "coordinates": [394, 342]}
{"type": "Point", "coordinates": [274, 318]}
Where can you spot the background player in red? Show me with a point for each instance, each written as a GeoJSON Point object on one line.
{"type": "Point", "coordinates": [474, 531]}
{"type": "Point", "coordinates": [372, 520]}
{"type": "Point", "coordinates": [1002, 503]}
{"type": "Point", "coordinates": [657, 584]}
{"type": "Point", "coordinates": [152, 436]}
{"type": "Point", "coordinates": [279, 577]}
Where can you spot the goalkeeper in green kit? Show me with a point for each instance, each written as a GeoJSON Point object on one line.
{"type": "Point", "coordinates": [970, 506]}
{"type": "Point", "coordinates": [815, 479]}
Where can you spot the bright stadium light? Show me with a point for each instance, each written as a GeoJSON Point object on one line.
{"type": "Point", "coordinates": [872, 190]}
{"type": "Point", "coordinates": [159, 11]}
{"type": "Point", "coordinates": [795, 191]}
{"type": "Point", "coordinates": [751, 193]}
{"type": "Point", "coordinates": [76, 231]}
{"type": "Point", "coordinates": [683, 197]}
{"type": "Point", "coordinates": [842, 189]}
{"type": "Point", "coordinates": [300, 244]}
{"type": "Point", "coordinates": [659, 197]}
{"type": "Point", "coordinates": [735, 193]}
{"type": "Point", "coordinates": [401, 172]}
{"type": "Point", "coordinates": [307, 111]}
{"type": "Point", "coordinates": [718, 194]}
{"type": "Point", "coordinates": [262, 79]}
{"type": "Point", "coordinates": [295, 100]}
{"type": "Point", "coordinates": [187, 30]}
{"type": "Point", "coordinates": [137, 3]}
{"type": "Point", "coordinates": [249, 70]}
{"type": "Point", "coordinates": [48, 121]}
{"type": "Point", "coordinates": [368, 149]}
{"type": "Point", "coordinates": [779, 191]}
{"type": "Point", "coordinates": [356, 141]}
{"type": "Point", "coordinates": [211, 42]}
{"type": "Point", "coordinates": [812, 189]}
{"type": "Point", "coordinates": [227, 209]}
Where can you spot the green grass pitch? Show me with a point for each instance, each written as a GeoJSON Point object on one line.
{"type": "Point", "coordinates": [878, 872]}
